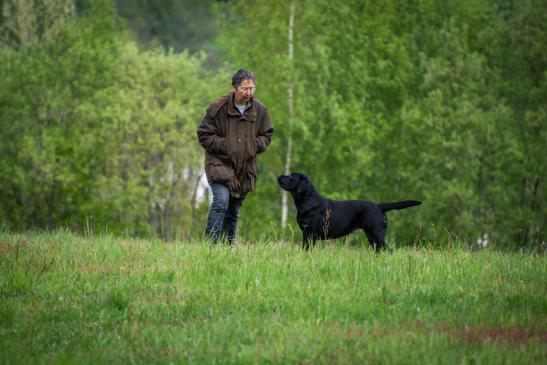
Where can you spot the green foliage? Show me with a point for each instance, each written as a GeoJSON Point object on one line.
{"type": "Point", "coordinates": [459, 130]}
{"type": "Point", "coordinates": [98, 299]}
{"type": "Point", "coordinates": [398, 100]}
{"type": "Point", "coordinates": [181, 25]}
{"type": "Point", "coordinates": [442, 101]}
{"type": "Point", "coordinates": [27, 22]}
{"type": "Point", "coordinates": [97, 134]}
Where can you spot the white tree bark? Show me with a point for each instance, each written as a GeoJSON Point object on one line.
{"type": "Point", "coordinates": [290, 101]}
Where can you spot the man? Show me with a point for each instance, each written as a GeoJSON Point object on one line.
{"type": "Point", "coordinates": [235, 128]}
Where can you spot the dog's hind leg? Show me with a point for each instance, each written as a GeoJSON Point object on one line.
{"type": "Point", "coordinates": [376, 240]}
{"type": "Point", "coordinates": [307, 239]}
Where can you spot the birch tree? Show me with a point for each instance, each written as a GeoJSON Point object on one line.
{"type": "Point", "coordinates": [290, 121]}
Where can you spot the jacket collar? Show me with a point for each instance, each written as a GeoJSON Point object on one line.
{"type": "Point", "coordinates": [250, 113]}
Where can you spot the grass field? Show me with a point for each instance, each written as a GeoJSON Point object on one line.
{"type": "Point", "coordinates": [74, 299]}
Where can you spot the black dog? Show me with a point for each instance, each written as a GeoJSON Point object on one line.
{"type": "Point", "coordinates": [321, 218]}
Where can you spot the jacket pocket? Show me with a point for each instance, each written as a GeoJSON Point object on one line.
{"type": "Point", "coordinates": [219, 173]}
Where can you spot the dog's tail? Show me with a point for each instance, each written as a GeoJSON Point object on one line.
{"type": "Point", "coordinates": [384, 207]}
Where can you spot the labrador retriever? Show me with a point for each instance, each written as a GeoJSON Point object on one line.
{"type": "Point", "coordinates": [320, 218]}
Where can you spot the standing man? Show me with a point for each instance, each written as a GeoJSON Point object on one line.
{"type": "Point", "coordinates": [235, 128]}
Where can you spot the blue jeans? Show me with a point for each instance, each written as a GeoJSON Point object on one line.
{"type": "Point", "coordinates": [223, 214]}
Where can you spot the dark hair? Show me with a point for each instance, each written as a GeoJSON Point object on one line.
{"type": "Point", "coordinates": [242, 75]}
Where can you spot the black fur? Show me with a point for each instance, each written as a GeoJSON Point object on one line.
{"type": "Point", "coordinates": [320, 218]}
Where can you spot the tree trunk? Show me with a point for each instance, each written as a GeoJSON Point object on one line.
{"type": "Point", "coordinates": [288, 156]}
{"type": "Point", "coordinates": [194, 203]}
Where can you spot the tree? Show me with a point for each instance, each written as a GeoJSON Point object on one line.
{"type": "Point", "coordinates": [290, 103]}
{"type": "Point", "coordinates": [410, 99]}
{"type": "Point", "coordinates": [25, 22]}
{"type": "Point", "coordinates": [96, 133]}
{"type": "Point", "coordinates": [182, 25]}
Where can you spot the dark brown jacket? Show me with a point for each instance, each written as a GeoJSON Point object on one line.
{"type": "Point", "coordinates": [232, 141]}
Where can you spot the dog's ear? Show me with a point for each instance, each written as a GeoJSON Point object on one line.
{"type": "Point", "coordinates": [303, 184]}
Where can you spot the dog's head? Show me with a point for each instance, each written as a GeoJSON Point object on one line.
{"type": "Point", "coordinates": [295, 183]}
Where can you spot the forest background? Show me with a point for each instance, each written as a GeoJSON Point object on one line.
{"type": "Point", "coordinates": [437, 100]}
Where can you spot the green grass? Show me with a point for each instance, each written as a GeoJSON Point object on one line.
{"type": "Point", "coordinates": [71, 299]}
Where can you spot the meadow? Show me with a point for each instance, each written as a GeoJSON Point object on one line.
{"type": "Point", "coordinates": [93, 299]}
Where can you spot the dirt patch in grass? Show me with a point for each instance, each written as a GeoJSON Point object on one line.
{"type": "Point", "coordinates": [378, 330]}
{"type": "Point", "coordinates": [6, 247]}
{"type": "Point", "coordinates": [515, 335]}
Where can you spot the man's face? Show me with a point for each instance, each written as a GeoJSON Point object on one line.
{"type": "Point", "coordinates": [244, 91]}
